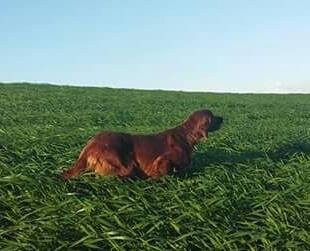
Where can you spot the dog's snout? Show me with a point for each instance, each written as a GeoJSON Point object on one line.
{"type": "Point", "coordinates": [215, 124]}
{"type": "Point", "coordinates": [219, 120]}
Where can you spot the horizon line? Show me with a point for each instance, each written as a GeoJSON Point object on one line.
{"type": "Point", "coordinates": [97, 85]}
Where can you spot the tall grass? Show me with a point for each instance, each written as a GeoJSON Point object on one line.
{"type": "Point", "coordinates": [248, 189]}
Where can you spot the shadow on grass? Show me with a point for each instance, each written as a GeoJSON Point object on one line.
{"type": "Point", "coordinates": [202, 160]}
{"type": "Point", "coordinates": [290, 150]}
{"type": "Point", "coordinates": [82, 187]}
{"type": "Point", "coordinates": [223, 157]}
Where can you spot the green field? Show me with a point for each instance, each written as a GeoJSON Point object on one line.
{"type": "Point", "coordinates": [249, 188]}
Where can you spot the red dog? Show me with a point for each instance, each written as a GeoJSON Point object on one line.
{"type": "Point", "coordinates": [126, 155]}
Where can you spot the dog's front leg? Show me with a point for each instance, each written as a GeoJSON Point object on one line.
{"type": "Point", "coordinates": [160, 167]}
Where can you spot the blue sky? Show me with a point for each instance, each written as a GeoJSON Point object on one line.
{"type": "Point", "coordinates": [232, 46]}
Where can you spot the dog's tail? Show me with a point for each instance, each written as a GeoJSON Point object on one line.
{"type": "Point", "coordinates": [79, 167]}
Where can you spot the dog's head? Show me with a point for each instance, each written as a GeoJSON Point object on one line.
{"type": "Point", "coordinates": [202, 122]}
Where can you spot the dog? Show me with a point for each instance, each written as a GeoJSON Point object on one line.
{"type": "Point", "coordinates": [147, 156]}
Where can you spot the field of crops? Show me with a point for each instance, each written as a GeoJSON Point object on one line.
{"type": "Point", "coordinates": [249, 188]}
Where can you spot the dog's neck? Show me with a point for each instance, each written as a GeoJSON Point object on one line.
{"type": "Point", "coordinates": [192, 137]}
{"type": "Point", "coordinates": [188, 135]}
